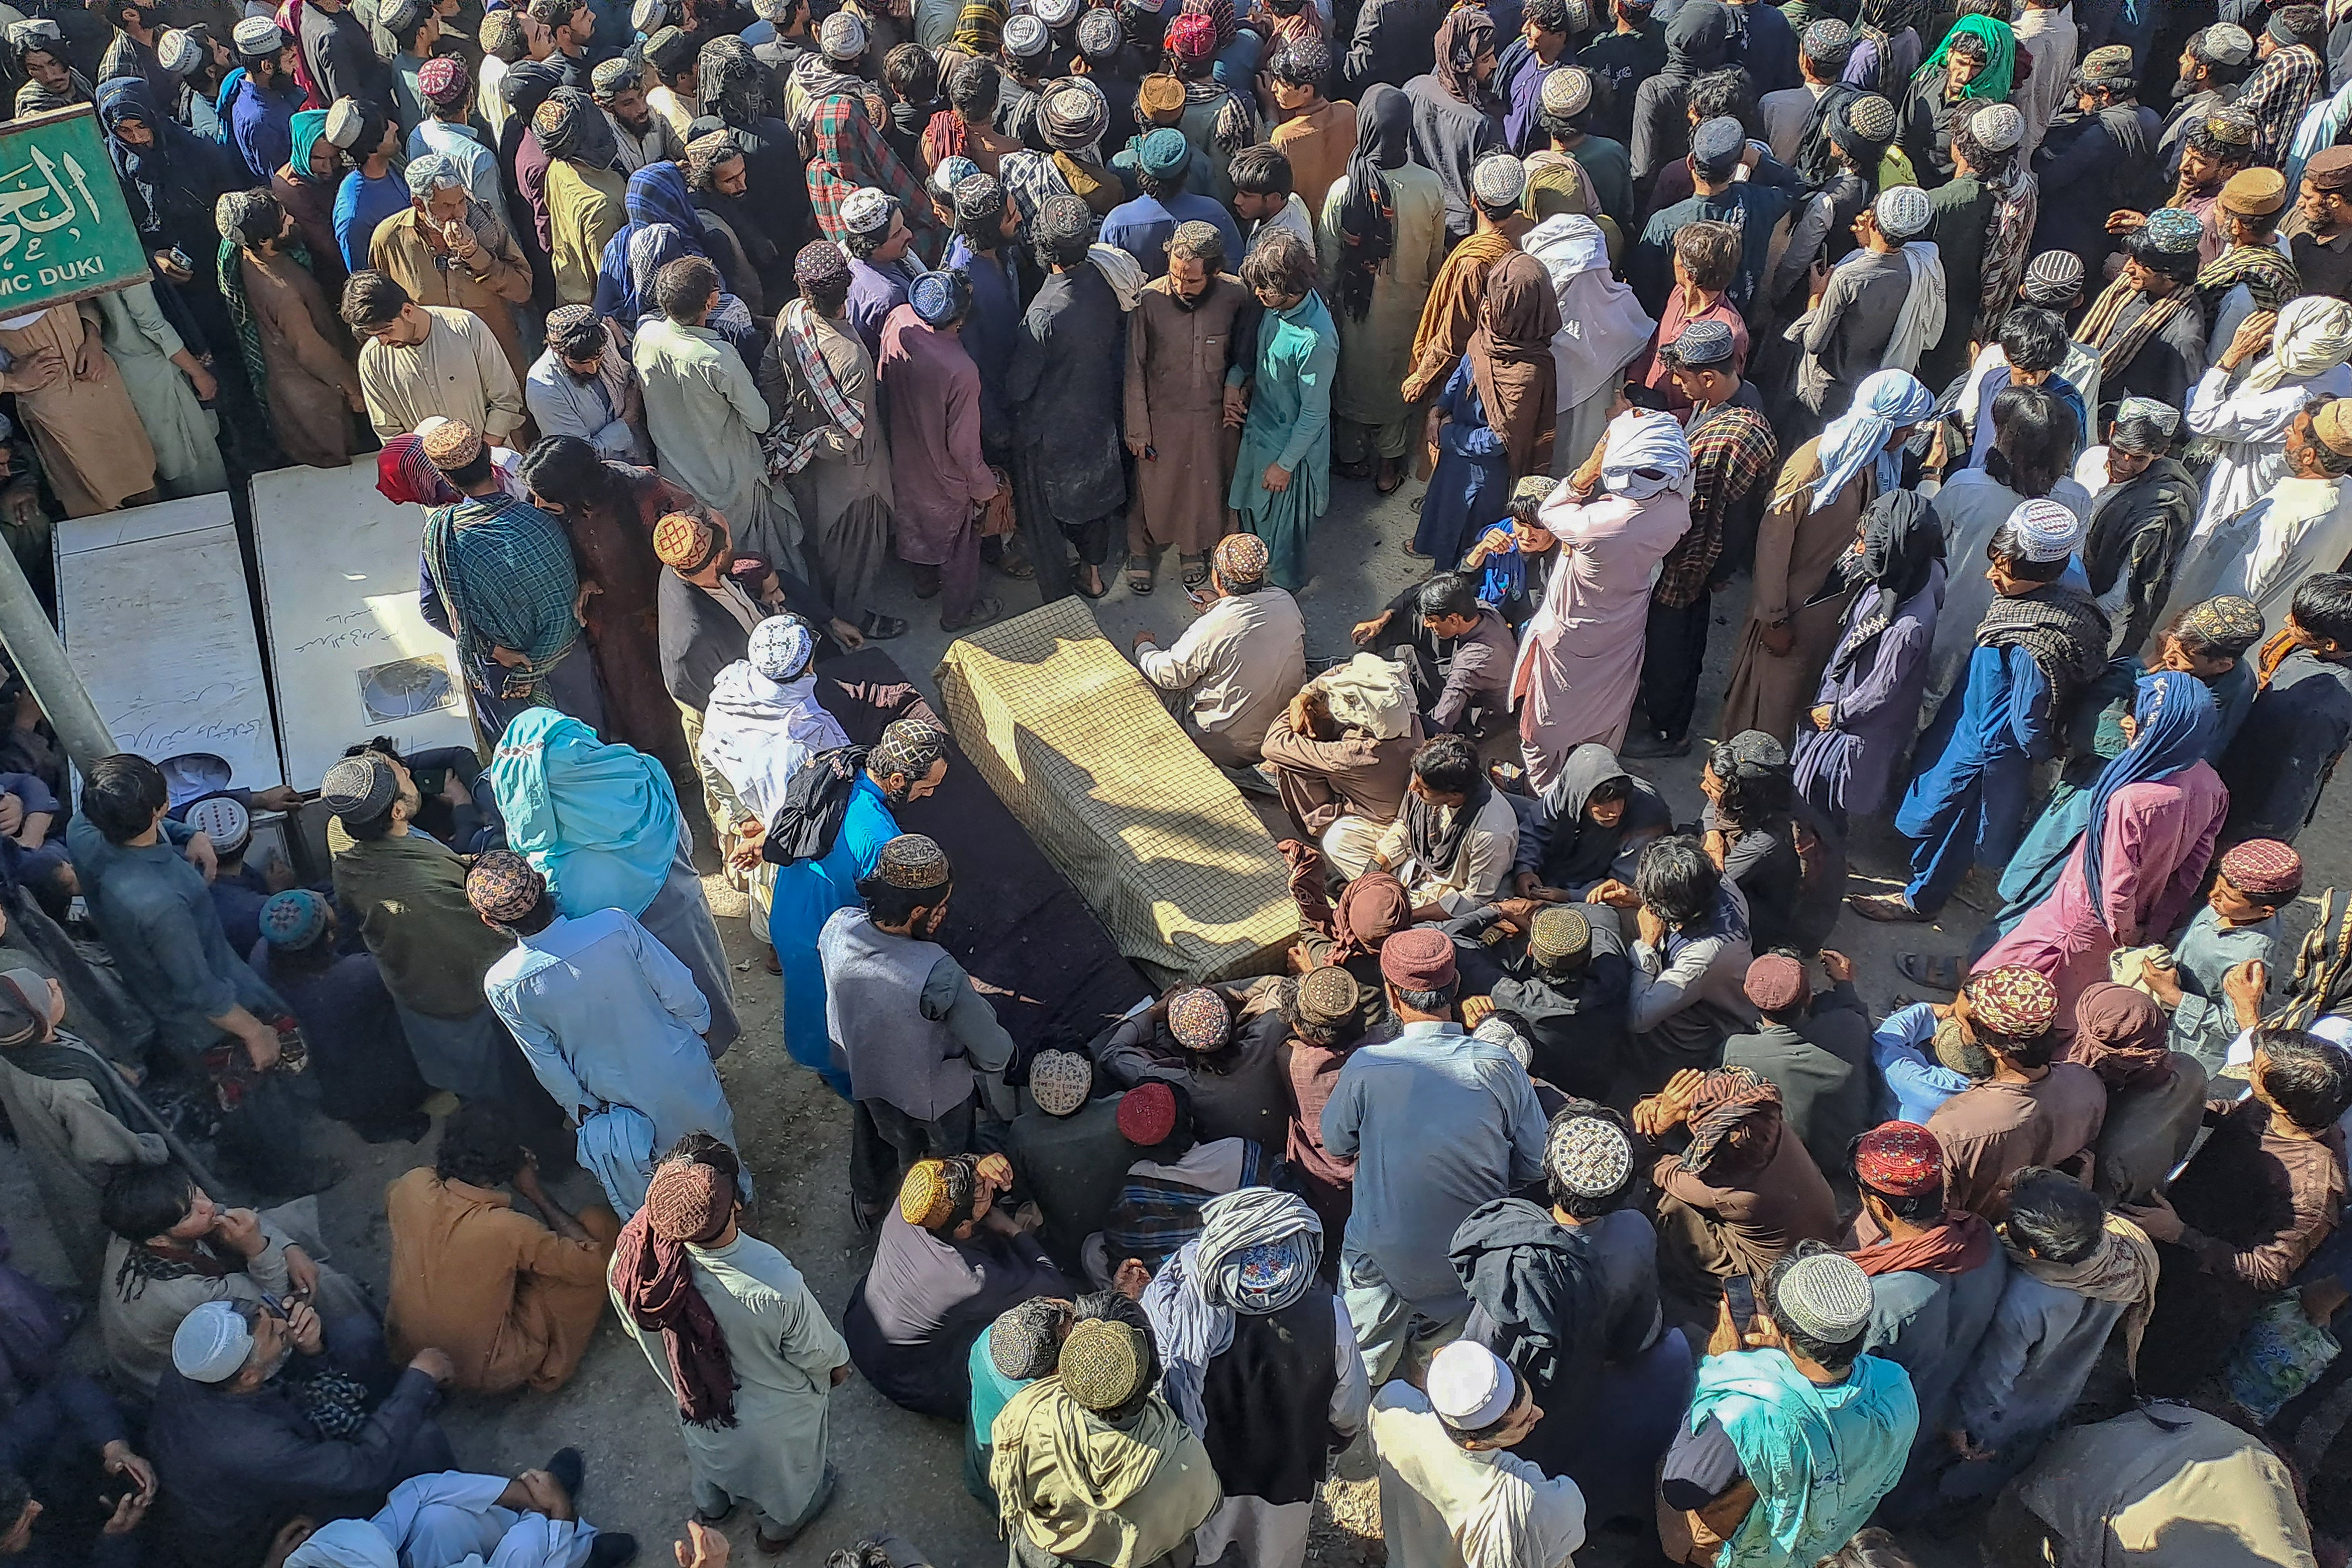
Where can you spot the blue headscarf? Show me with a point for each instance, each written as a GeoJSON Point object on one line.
{"type": "Point", "coordinates": [1885, 403]}
{"type": "Point", "coordinates": [662, 228]}
{"type": "Point", "coordinates": [173, 177]}
{"type": "Point", "coordinates": [2176, 717]}
{"type": "Point", "coordinates": [600, 821]}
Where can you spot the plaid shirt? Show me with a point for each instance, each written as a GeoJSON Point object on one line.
{"type": "Point", "coordinates": [503, 574]}
{"type": "Point", "coordinates": [1155, 1216]}
{"type": "Point", "coordinates": [2278, 95]}
{"type": "Point", "coordinates": [848, 153]}
{"type": "Point", "coordinates": [1732, 449]}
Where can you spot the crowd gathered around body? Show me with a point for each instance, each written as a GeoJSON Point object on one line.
{"type": "Point", "coordinates": [2006, 353]}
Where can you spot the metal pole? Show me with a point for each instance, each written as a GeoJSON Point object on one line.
{"type": "Point", "coordinates": [32, 643]}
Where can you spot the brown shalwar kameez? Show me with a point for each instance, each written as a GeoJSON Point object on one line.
{"type": "Point", "coordinates": [491, 284]}
{"type": "Point", "coordinates": [93, 449]}
{"type": "Point", "coordinates": [1176, 361]}
{"type": "Point", "coordinates": [1795, 548]}
{"type": "Point", "coordinates": [844, 494]}
{"type": "Point", "coordinates": [1713, 1226]}
{"type": "Point", "coordinates": [312, 379]}
{"type": "Point", "coordinates": [612, 547]}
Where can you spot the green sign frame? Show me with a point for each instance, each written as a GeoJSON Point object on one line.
{"type": "Point", "coordinates": [66, 233]}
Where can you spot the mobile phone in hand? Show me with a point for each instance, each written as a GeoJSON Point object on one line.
{"type": "Point", "coordinates": [1739, 1291]}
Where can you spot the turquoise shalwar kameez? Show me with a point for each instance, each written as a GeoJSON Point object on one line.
{"type": "Point", "coordinates": [1289, 423]}
{"type": "Point", "coordinates": [806, 895]}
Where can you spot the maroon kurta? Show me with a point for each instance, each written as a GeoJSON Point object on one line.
{"type": "Point", "coordinates": [937, 472]}
{"type": "Point", "coordinates": [613, 547]}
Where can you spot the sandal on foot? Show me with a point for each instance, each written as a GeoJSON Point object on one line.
{"type": "Point", "coordinates": [881, 628]}
{"type": "Point", "coordinates": [1889, 908]}
{"type": "Point", "coordinates": [1389, 485]}
{"type": "Point", "coordinates": [1138, 575]}
{"type": "Point", "coordinates": [1078, 582]}
{"type": "Point", "coordinates": [1921, 969]}
{"type": "Point", "coordinates": [1195, 568]}
{"type": "Point", "coordinates": [1017, 567]}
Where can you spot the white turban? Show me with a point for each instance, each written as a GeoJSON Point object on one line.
{"type": "Point", "coordinates": [1645, 453]}
{"type": "Point", "coordinates": [2313, 335]}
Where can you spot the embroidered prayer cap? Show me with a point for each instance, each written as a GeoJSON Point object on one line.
{"type": "Point", "coordinates": [1566, 90]}
{"type": "Point", "coordinates": [1099, 34]}
{"type": "Point", "coordinates": [909, 747]}
{"type": "Point", "coordinates": [1241, 559]}
{"type": "Point", "coordinates": [1160, 93]}
{"type": "Point", "coordinates": [442, 79]}
{"type": "Point", "coordinates": [1024, 1343]}
{"type": "Point", "coordinates": [1825, 1294]}
{"type": "Point", "coordinates": [1199, 1019]}
{"type": "Point", "coordinates": [449, 444]}
{"type": "Point", "coordinates": [1589, 1155]}
{"type": "Point", "coordinates": [1716, 146]}
{"type": "Point", "coordinates": [2254, 193]}
{"type": "Point", "coordinates": [820, 266]}
{"type": "Point", "coordinates": [1826, 42]}
{"type": "Point", "coordinates": [2223, 44]}
{"type": "Point", "coordinates": [2012, 1000]}
{"type": "Point", "coordinates": [1191, 37]}
{"type": "Point", "coordinates": [1073, 114]}
{"type": "Point", "coordinates": [1147, 1114]}
{"type": "Point", "coordinates": [978, 198]}
{"type": "Point", "coordinates": [2052, 278]}
{"type": "Point", "coordinates": [668, 50]}
{"type": "Point", "coordinates": [1469, 1387]}
{"type": "Point", "coordinates": [2225, 621]}
{"type": "Point", "coordinates": [1221, 16]}
{"type": "Point", "coordinates": [2144, 425]}
{"type": "Point", "coordinates": [1059, 1081]}
{"type": "Point", "coordinates": [923, 1199]}
{"type": "Point", "coordinates": [1954, 1049]}
{"type": "Point", "coordinates": [1499, 180]}
{"type": "Point", "coordinates": [610, 77]}
{"type": "Point", "coordinates": [259, 38]}
{"type": "Point", "coordinates": [866, 211]}
{"type": "Point", "coordinates": [2047, 530]}
{"type": "Point", "coordinates": [2175, 231]}
{"type": "Point", "coordinates": [1899, 1159]}
{"type": "Point", "coordinates": [782, 646]}
{"type": "Point", "coordinates": [1061, 219]}
{"type": "Point", "coordinates": [360, 789]}
{"type": "Point", "coordinates": [950, 173]}
{"type": "Point", "coordinates": [683, 541]}
{"type": "Point", "coordinates": [1535, 488]}
{"type": "Point", "coordinates": [2330, 169]}
{"type": "Point", "coordinates": [2264, 868]}
{"type": "Point", "coordinates": [211, 1345]}
{"type": "Point", "coordinates": [1872, 117]}
{"type": "Point", "coordinates": [1903, 212]}
{"type": "Point", "coordinates": [177, 52]}
{"type": "Point", "coordinates": [1025, 38]}
{"type": "Point", "coordinates": [2107, 66]}
{"type": "Point", "coordinates": [2234, 128]}
{"type": "Point", "coordinates": [1776, 983]}
{"type": "Point", "coordinates": [293, 918]}
{"type": "Point", "coordinates": [1328, 996]}
{"type": "Point", "coordinates": [1103, 1363]}
{"type": "Point", "coordinates": [1164, 153]}
{"type": "Point", "coordinates": [687, 1201]}
{"type": "Point", "coordinates": [224, 819]}
{"type": "Point", "coordinates": [503, 886]}
{"type": "Point", "coordinates": [1495, 1030]}
{"type": "Point", "coordinates": [1419, 960]}
{"type": "Point", "coordinates": [913, 860]}
{"type": "Point", "coordinates": [1559, 932]}
{"type": "Point", "coordinates": [2333, 425]}
{"type": "Point", "coordinates": [1055, 12]}
{"type": "Point", "coordinates": [938, 297]}
{"type": "Point", "coordinates": [1997, 127]}
{"type": "Point", "coordinates": [842, 36]}
{"type": "Point", "coordinates": [1701, 344]}
{"type": "Point", "coordinates": [345, 120]}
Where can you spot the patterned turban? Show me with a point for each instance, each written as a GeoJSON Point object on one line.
{"type": "Point", "coordinates": [442, 80]}
{"type": "Point", "coordinates": [2046, 530]}
{"type": "Point", "coordinates": [866, 211]}
{"type": "Point", "coordinates": [1499, 180]}
{"type": "Point", "coordinates": [2013, 1001]}
{"type": "Point", "coordinates": [781, 647]}
{"type": "Point", "coordinates": [939, 295]}
{"type": "Point", "coordinates": [1729, 1097]}
{"type": "Point", "coordinates": [609, 77]}
{"type": "Point", "coordinates": [687, 1201]}
{"type": "Point", "coordinates": [912, 860]}
{"type": "Point", "coordinates": [1103, 1363]}
{"type": "Point", "coordinates": [2264, 868]}
{"type": "Point", "coordinates": [2333, 425]}
{"type": "Point", "coordinates": [1589, 1155]}
{"type": "Point", "coordinates": [1100, 35]}
{"type": "Point", "coordinates": [2145, 426]}
{"type": "Point", "coordinates": [360, 789]}
{"type": "Point", "coordinates": [1241, 561]}
{"type": "Point", "coordinates": [1191, 37]}
{"type": "Point", "coordinates": [2225, 623]}
{"type": "Point", "coordinates": [503, 886]}
{"type": "Point", "coordinates": [2052, 280]}
{"type": "Point", "coordinates": [1419, 960]}
{"type": "Point", "coordinates": [1827, 42]}
{"type": "Point", "coordinates": [842, 36]}
{"type": "Point", "coordinates": [1701, 344]}
{"type": "Point", "coordinates": [909, 747]}
{"type": "Point", "coordinates": [923, 1198]}
{"type": "Point", "coordinates": [1199, 1019]}
{"type": "Point", "coordinates": [1073, 114]}
{"type": "Point", "coordinates": [1059, 1081]}
{"type": "Point", "coordinates": [2235, 127]}
{"type": "Point", "coordinates": [448, 444]}
{"type": "Point", "coordinates": [1026, 37]}
{"type": "Point", "coordinates": [1329, 997]}
{"type": "Point", "coordinates": [1899, 1159]}
{"type": "Point", "coordinates": [1567, 91]}
{"type": "Point", "coordinates": [1559, 932]}
{"type": "Point", "coordinates": [1061, 219]}
{"type": "Point", "coordinates": [979, 197]}
{"type": "Point", "coordinates": [2174, 230]}
{"type": "Point", "coordinates": [1222, 16]}
{"type": "Point", "coordinates": [683, 541]}
{"type": "Point", "coordinates": [2106, 67]}
{"type": "Point", "coordinates": [1163, 153]}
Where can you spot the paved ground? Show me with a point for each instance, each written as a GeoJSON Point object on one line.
{"type": "Point", "coordinates": [900, 1472]}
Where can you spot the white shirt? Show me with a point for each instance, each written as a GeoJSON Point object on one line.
{"type": "Point", "coordinates": [2302, 527]}
{"type": "Point", "coordinates": [1242, 661]}
{"type": "Point", "coordinates": [1477, 872]}
{"type": "Point", "coordinates": [2251, 429]}
{"type": "Point", "coordinates": [1293, 217]}
{"type": "Point", "coordinates": [1444, 1505]}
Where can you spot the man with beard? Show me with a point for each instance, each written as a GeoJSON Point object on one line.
{"type": "Point", "coordinates": [2095, 158]}
{"type": "Point", "coordinates": [1179, 410]}
{"type": "Point", "coordinates": [2214, 65]}
{"type": "Point", "coordinates": [717, 181]}
{"type": "Point", "coordinates": [583, 385]}
{"type": "Point", "coordinates": [643, 137]}
{"type": "Point", "coordinates": [2209, 153]}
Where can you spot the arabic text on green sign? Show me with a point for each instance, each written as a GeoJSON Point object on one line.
{"type": "Point", "coordinates": [65, 232]}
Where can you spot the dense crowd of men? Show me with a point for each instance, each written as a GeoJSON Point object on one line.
{"type": "Point", "coordinates": [2004, 351]}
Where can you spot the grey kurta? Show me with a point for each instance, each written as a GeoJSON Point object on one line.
{"type": "Point", "coordinates": [1930, 1325]}
{"type": "Point", "coordinates": [784, 1353]}
{"type": "Point", "coordinates": [182, 429]}
{"type": "Point", "coordinates": [73, 1143]}
{"type": "Point", "coordinates": [2027, 1373]}
{"type": "Point", "coordinates": [844, 494]}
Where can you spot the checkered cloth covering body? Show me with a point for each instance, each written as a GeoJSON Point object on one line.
{"type": "Point", "coordinates": [1077, 744]}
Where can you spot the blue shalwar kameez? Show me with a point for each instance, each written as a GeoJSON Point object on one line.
{"type": "Point", "coordinates": [1471, 486]}
{"type": "Point", "coordinates": [806, 894]}
{"type": "Point", "coordinates": [1967, 803]}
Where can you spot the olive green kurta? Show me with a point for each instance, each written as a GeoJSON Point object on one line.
{"type": "Point", "coordinates": [1376, 353]}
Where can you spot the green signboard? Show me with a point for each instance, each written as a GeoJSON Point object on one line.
{"type": "Point", "coordinates": [65, 232]}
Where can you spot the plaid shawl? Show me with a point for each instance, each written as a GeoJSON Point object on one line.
{"type": "Point", "coordinates": [2269, 277]}
{"type": "Point", "coordinates": [1732, 449]}
{"type": "Point", "coordinates": [504, 572]}
{"type": "Point", "coordinates": [2278, 95]}
{"type": "Point", "coordinates": [847, 152]}
{"type": "Point", "coordinates": [789, 454]}
{"type": "Point", "coordinates": [1155, 1216]}
{"type": "Point", "coordinates": [2064, 630]}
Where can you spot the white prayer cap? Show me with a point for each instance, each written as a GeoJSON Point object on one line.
{"type": "Point", "coordinates": [865, 210]}
{"type": "Point", "coordinates": [842, 35]}
{"type": "Point", "coordinates": [258, 36]}
{"type": "Point", "coordinates": [211, 1344]}
{"type": "Point", "coordinates": [178, 53]}
{"type": "Point", "coordinates": [1903, 212]}
{"type": "Point", "coordinates": [1468, 1388]}
{"type": "Point", "coordinates": [1825, 1294]}
{"type": "Point", "coordinates": [2047, 530]}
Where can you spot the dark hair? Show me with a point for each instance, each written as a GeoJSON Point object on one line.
{"type": "Point", "coordinates": [708, 1149]}
{"type": "Point", "coordinates": [1551, 16]}
{"type": "Point", "coordinates": [829, 299]}
{"type": "Point", "coordinates": [1836, 1356]}
{"type": "Point", "coordinates": [1527, 510]}
{"type": "Point", "coordinates": [1991, 167]}
{"type": "Point", "coordinates": [1280, 264]}
{"type": "Point", "coordinates": [1969, 43]}
{"type": "Point", "coordinates": [1751, 801]}
{"type": "Point", "coordinates": [2307, 1078]}
{"type": "Point", "coordinates": [2007, 546]}
{"type": "Point", "coordinates": [2032, 338]}
{"type": "Point", "coordinates": [1207, 247]}
{"type": "Point", "coordinates": [1448, 593]}
{"type": "Point", "coordinates": [1465, 1436]}
{"type": "Point", "coordinates": [473, 471]}
{"type": "Point", "coordinates": [479, 1145]}
{"type": "Point", "coordinates": [2033, 432]}
{"type": "Point", "coordinates": [973, 88]}
{"type": "Point", "coordinates": [886, 904]}
{"type": "Point", "coordinates": [563, 469]}
{"type": "Point", "coordinates": [683, 289]}
{"type": "Point", "coordinates": [1575, 1205]}
{"type": "Point", "coordinates": [2323, 607]}
{"type": "Point", "coordinates": [1110, 1307]}
{"type": "Point", "coordinates": [371, 300]}
{"type": "Point", "coordinates": [1677, 879]}
{"type": "Point", "coordinates": [2307, 23]}
{"type": "Point", "coordinates": [912, 73]}
{"type": "Point", "coordinates": [1710, 252]}
{"type": "Point", "coordinates": [1063, 250]}
{"type": "Point", "coordinates": [140, 1201]}
{"type": "Point", "coordinates": [2203, 138]}
{"type": "Point", "coordinates": [2180, 266]}
{"type": "Point", "coordinates": [862, 246]}
{"type": "Point", "coordinates": [121, 794]}
{"type": "Point", "coordinates": [2335, 464]}
{"type": "Point", "coordinates": [1160, 189]}
{"type": "Point", "coordinates": [2054, 1215]}
{"type": "Point", "coordinates": [1430, 1001]}
{"type": "Point", "coordinates": [1447, 764]}
{"type": "Point", "coordinates": [1722, 93]}
{"type": "Point", "coordinates": [553, 14]}
{"type": "Point", "coordinates": [1262, 169]}
{"type": "Point", "coordinates": [2026, 1050]}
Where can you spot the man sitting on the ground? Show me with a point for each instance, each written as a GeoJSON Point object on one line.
{"type": "Point", "coordinates": [1458, 650]}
